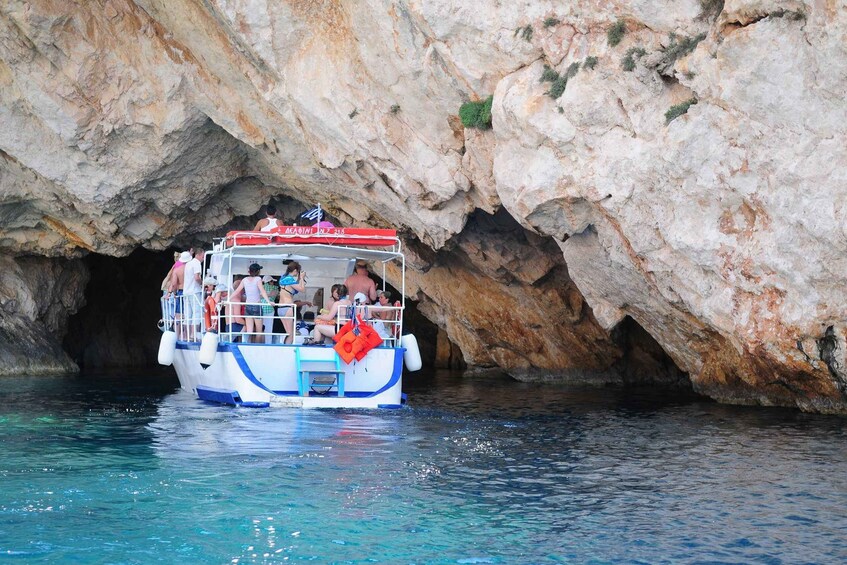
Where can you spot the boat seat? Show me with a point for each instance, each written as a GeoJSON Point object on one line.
{"type": "Point", "coordinates": [318, 367]}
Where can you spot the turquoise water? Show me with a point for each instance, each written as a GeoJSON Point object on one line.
{"type": "Point", "coordinates": [476, 470]}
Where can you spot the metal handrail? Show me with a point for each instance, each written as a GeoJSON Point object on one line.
{"type": "Point", "coordinates": [192, 328]}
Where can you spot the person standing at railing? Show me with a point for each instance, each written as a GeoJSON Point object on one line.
{"type": "Point", "coordinates": [175, 289]}
{"type": "Point", "coordinates": [253, 291]}
{"type": "Point", "coordinates": [272, 289]}
{"type": "Point", "coordinates": [169, 305]}
{"type": "Point", "coordinates": [269, 222]}
{"type": "Point", "coordinates": [192, 294]}
{"type": "Point", "coordinates": [286, 297]}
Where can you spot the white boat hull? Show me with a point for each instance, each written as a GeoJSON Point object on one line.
{"type": "Point", "coordinates": [251, 374]}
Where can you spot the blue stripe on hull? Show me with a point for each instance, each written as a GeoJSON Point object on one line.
{"type": "Point", "coordinates": [217, 395]}
{"type": "Point", "coordinates": [231, 397]}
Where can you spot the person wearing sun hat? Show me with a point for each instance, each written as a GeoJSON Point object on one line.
{"type": "Point", "coordinates": [253, 290]}
{"type": "Point", "coordinates": [359, 281]}
{"type": "Point", "coordinates": [175, 289]}
{"type": "Point", "coordinates": [192, 293]}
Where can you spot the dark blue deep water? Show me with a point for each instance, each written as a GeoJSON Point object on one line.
{"type": "Point", "coordinates": [127, 469]}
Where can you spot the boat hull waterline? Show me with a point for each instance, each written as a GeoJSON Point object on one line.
{"type": "Point", "coordinates": [249, 374]}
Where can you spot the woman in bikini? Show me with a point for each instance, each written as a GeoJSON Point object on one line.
{"type": "Point", "coordinates": [286, 297]}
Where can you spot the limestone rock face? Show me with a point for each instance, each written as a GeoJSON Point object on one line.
{"type": "Point", "coordinates": [719, 230]}
{"type": "Point", "coordinates": [36, 297]}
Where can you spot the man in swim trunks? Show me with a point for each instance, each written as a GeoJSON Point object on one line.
{"type": "Point", "coordinates": [175, 288]}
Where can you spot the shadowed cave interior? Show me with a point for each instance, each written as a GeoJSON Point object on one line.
{"type": "Point", "coordinates": [117, 327]}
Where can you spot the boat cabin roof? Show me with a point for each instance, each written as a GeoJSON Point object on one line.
{"type": "Point", "coordinates": [326, 250]}
{"type": "Point", "coordinates": [310, 251]}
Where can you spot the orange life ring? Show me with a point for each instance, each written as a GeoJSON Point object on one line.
{"type": "Point", "coordinates": [209, 311]}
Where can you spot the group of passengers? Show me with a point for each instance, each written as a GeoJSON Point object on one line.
{"type": "Point", "coordinates": [183, 292]}
{"type": "Point", "coordinates": [250, 304]}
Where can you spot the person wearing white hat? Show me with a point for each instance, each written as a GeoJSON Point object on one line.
{"type": "Point", "coordinates": [192, 294]}
{"type": "Point", "coordinates": [175, 288]}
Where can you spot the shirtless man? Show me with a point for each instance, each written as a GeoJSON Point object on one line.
{"type": "Point", "coordinates": [359, 281]}
{"type": "Point", "coordinates": [269, 222]}
{"type": "Point", "coordinates": [175, 289]}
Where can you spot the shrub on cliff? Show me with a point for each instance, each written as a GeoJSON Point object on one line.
{"type": "Point", "coordinates": [477, 114]}
{"type": "Point", "coordinates": [628, 61]}
{"type": "Point", "coordinates": [548, 74]}
{"type": "Point", "coordinates": [558, 87]}
{"type": "Point", "coordinates": [678, 109]}
{"type": "Point", "coordinates": [525, 32]}
{"type": "Point", "coordinates": [711, 8]}
{"type": "Point", "coordinates": [680, 47]}
{"type": "Point", "coordinates": [615, 33]}
{"type": "Point", "coordinates": [590, 62]}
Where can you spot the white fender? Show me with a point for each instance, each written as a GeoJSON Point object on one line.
{"type": "Point", "coordinates": [412, 356]}
{"type": "Point", "coordinates": [208, 349]}
{"type": "Point", "coordinates": [167, 346]}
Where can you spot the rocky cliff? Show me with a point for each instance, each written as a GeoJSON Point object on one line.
{"type": "Point", "coordinates": [678, 166]}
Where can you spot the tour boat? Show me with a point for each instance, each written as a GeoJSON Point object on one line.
{"type": "Point", "coordinates": [361, 367]}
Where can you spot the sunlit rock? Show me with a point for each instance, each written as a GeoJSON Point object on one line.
{"type": "Point", "coordinates": [699, 194]}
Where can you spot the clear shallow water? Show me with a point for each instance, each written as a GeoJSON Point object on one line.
{"type": "Point", "coordinates": [476, 470]}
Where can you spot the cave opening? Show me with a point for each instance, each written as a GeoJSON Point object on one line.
{"type": "Point", "coordinates": [643, 361]}
{"type": "Point", "coordinates": [118, 325]}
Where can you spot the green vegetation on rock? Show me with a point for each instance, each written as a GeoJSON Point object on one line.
{"type": "Point", "coordinates": [558, 87]}
{"type": "Point", "coordinates": [680, 47]}
{"type": "Point", "coordinates": [678, 109]}
{"type": "Point", "coordinates": [548, 74]}
{"type": "Point", "coordinates": [616, 32]}
{"type": "Point", "coordinates": [628, 61]}
{"type": "Point", "coordinates": [525, 32]}
{"type": "Point", "coordinates": [477, 114]}
{"type": "Point", "coordinates": [711, 8]}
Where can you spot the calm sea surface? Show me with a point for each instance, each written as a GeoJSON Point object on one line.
{"type": "Point", "coordinates": [126, 469]}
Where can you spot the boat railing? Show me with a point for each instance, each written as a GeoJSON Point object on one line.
{"type": "Point", "coordinates": [386, 320]}
{"type": "Point", "coordinates": [186, 316]}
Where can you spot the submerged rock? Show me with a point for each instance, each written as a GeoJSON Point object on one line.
{"type": "Point", "coordinates": [718, 228]}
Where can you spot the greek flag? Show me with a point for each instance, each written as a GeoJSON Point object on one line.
{"type": "Point", "coordinates": [312, 214]}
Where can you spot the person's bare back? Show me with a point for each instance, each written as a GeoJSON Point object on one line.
{"type": "Point", "coordinates": [177, 278]}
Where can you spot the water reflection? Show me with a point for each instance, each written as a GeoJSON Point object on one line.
{"type": "Point", "coordinates": [474, 470]}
